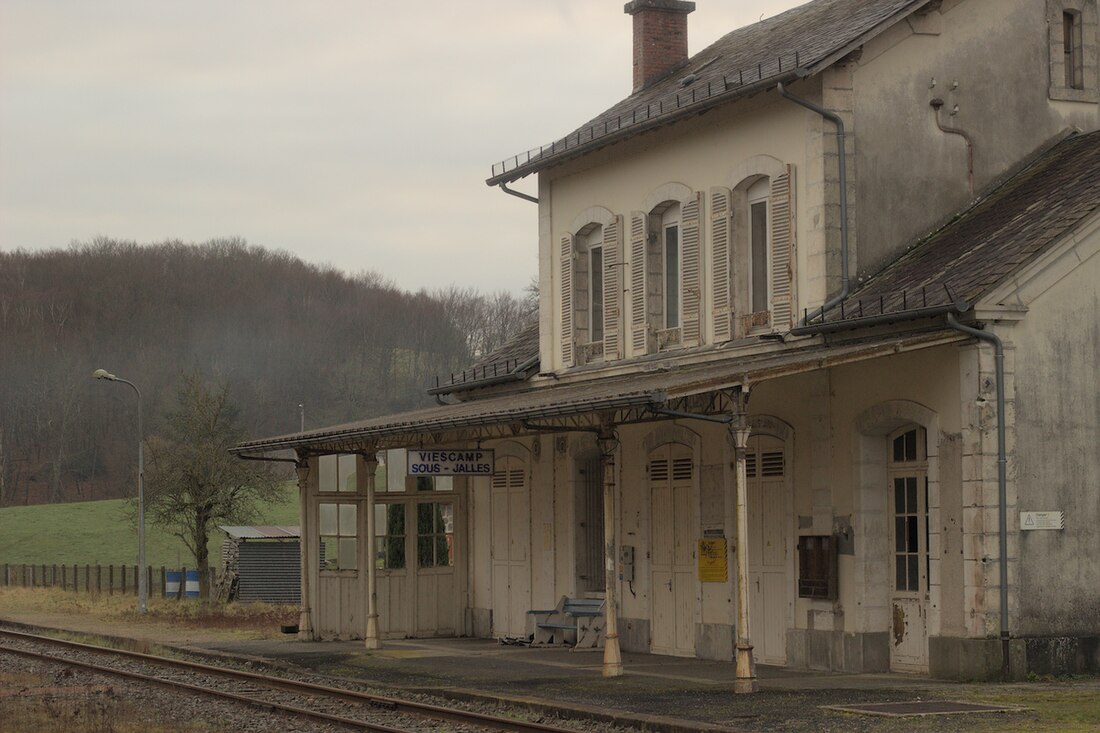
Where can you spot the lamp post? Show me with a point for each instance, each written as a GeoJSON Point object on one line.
{"type": "Point", "coordinates": [143, 590]}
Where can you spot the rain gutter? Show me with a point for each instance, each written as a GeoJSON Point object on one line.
{"type": "Point", "coordinates": [842, 164]}
{"type": "Point", "coordinates": [1002, 480]}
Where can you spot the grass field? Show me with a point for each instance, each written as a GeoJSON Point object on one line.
{"type": "Point", "coordinates": [103, 532]}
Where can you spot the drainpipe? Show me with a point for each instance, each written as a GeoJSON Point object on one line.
{"type": "Point", "coordinates": [518, 194]}
{"type": "Point", "coordinates": [842, 163]}
{"type": "Point", "coordinates": [937, 103]}
{"type": "Point", "coordinates": [1002, 480]}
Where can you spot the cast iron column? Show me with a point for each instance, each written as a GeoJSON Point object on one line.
{"type": "Point", "coordinates": [370, 462]}
{"type": "Point", "coordinates": [746, 666]}
{"type": "Point", "coordinates": [612, 657]}
{"type": "Point", "coordinates": [305, 553]}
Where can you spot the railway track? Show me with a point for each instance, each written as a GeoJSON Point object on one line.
{"type": "Point", "coordinates": [346, 708]}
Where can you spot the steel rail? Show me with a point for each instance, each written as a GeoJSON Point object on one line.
{"type": "Point", "coordinates": [390, 704]}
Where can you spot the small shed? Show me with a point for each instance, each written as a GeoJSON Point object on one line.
{"type": "Point", "coordinates": [262, 564]}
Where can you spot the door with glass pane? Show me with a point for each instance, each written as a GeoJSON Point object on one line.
{"type": "Point", "coordinates": [435, 568]}
{"type": "Point", "coordinates": [908, 504]}
{"type": "Point", "coordinates": [338, 609]}
{"type": "Point", "coordinates": [415, 552]}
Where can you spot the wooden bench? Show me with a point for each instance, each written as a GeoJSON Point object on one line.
{"type": "Point", "coordinates": [575, 622]}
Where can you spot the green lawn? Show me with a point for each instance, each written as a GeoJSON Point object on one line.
{"type": "Point", "coordinates": [102, 532]}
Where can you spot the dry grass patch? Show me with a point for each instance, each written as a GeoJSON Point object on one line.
{"type": "Point", "coordinates": [250, 620]}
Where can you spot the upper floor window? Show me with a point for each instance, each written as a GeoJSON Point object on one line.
{"type": "Point", "coordinates": [758, 245]}
{"type": "Point", "coordinates": [752, 254]}
{"type": "Point", "coordinates": [590, 292]}
{"type": "Point", "coordinates": [595, 285]}
{"type": "Point", "coordinates": [1072, 50]}
{"type": "Point", "coordinates": [670, 252]}
{"type": "Point", "coordinates": [665, 291]}
{"type": "Point", "coordinates": [1072, 28]}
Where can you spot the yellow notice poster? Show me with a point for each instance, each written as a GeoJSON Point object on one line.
{"type": "Point", "coordinates": [713, 564]}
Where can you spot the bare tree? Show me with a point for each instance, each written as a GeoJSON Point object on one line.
{"type": "Point", "coordinates": [193, 482]}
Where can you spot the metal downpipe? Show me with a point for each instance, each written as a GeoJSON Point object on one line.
{"type": "Point", "coordinates": [1002, 480]}
{"type": "Point", "coordinates": [842, 163]}
{"type": "Point", "coordinates": [518, 194]}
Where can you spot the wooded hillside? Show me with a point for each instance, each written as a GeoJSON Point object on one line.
{"type": "Point", "coordinates": [280, 332]}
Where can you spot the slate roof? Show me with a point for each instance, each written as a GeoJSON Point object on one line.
{"type": "Point", "coordinates": [513, 361]}
{"type": "Point", "coordinates": [984, 244]}
{"type": "Point", "coordinates": [799, 42]}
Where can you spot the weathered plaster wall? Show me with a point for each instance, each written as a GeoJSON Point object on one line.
{"type": "Point", "coordinates": [997, 52]}
{"type": "Point", "coordinates": [712, 150]}
{"type": "Point", "coordinates": [1057, 468]}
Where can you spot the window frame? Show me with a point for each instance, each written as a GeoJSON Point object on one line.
{"type": "Point", "coordinates": [1073, 65]}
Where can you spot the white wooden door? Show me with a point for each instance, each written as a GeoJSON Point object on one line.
{"type": "Point", "coordinates": [511, 547]}
{"type": "Point", "coordinates": [674, 588]}
{"type": "Point", "coordinates": [908, 502]}
{"type": "Point", "coordinates": [768, 583]}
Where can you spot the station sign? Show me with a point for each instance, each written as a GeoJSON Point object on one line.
{"type": "Point", "coordinates": [450, 462]}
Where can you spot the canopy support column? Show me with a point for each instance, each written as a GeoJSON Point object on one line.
{"type": "Point", "coordinates": [739, 431]}
{"type": "Point", "coordinates": [612, 656]}
{"type": "Point", "coordinates": [306, 540]}
{"type": "Point", "coordinates": [372, 640]}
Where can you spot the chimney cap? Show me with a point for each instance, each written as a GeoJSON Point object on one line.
{"type": "Point", "coordinates": [668, 6]}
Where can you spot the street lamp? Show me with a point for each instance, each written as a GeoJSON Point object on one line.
{"type": "Point", "coordinates": [143, 590]}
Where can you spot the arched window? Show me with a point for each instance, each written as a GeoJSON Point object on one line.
{"type": "Point", "coordinates": [752, 275]}
{"type": "Point", "coordinates": [590, 292]}
{"type": "Point", "coordinates": [665, 288]}
{"type": "Point", "coordinates": [759, 249]}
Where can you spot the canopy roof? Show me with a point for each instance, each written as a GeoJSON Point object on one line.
{"type": "Point", "coordinates": [640, 395]}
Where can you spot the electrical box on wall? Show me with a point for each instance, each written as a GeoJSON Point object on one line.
{"type": "Point", "coordinates": [626, 563]}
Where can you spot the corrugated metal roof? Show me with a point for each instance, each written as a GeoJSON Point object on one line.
{"type": "Point", "coordinates": [800, 41]}
{"type": "Point", "coordinates": [261, 532]}
{"type": "Point", "coordinates": [653, 384]}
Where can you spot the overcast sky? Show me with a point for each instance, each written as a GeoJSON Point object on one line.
{"type": "Point", "coordinates": [352, 133]}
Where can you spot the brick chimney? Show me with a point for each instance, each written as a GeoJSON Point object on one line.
{"type": "Point", "coordinates": [660, 38]}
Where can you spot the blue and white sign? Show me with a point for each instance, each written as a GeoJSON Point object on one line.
{"type": "Point", "coordinates": [450, 462]}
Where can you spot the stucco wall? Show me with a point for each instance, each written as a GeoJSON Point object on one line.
{"type": "Point", "coordinates": [716, 149]}
{"type": "Point", "coordinates": [1057, 384]}
{"type": "Point", "coordinates": [989, 57]}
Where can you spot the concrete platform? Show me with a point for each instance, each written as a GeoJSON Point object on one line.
{"type": "Point", "coordinates": [656, 692]}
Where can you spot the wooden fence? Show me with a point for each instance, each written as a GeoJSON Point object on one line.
{"type": "Point", "coordinates": [109, 579]}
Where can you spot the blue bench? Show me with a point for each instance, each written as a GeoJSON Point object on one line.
{"type": "Point", "coordinates": [575, 622]}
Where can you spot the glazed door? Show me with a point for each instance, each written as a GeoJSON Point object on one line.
{"type": "Point", "coordinates": [436, 600]}
{"type": "Point", "coordinates": [908, 502]}
{"type": "Point", "coordinates": [511, 548]}
{"type": "Point", "coordinates": [767, 560]}
{"type": "Point", "coordinates": [672, 559]}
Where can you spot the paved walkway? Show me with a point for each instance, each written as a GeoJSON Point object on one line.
{"type": "Point", "coordinates": [661, 693]}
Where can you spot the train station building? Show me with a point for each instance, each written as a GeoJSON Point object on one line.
{"type": "Point", "coordinates": [815, 377]}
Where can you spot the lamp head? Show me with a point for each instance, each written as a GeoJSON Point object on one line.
{"type": "Point", "coordinates": [104, 374]}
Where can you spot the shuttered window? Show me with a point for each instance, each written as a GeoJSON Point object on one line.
{"type": "Point", "coordinates": [639, 321]}
{"type": "Point", "coordinates": [782, 252]}
{"type": "Point", "coordinates": [566, 297]}
{"type": "Point", "coordinates": [721, 230]}
{"type": "Point", "coordinates": [612, 290]}
{"type": "Point", "coordinates": [691, 277]}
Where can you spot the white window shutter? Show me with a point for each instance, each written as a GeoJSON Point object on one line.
{"type": "Point", "coordinates": [639, 321]}
{"type": "Point", "coordinates": [612, 289]}
{"type": "Point", "coordinates": [691, 291]}
{"type": "Point", "coordinates": [721, 231]}
{"type": "Point", "coordinates": [783, 250]}
{"type": "Point", "coordinates": [567, 306]}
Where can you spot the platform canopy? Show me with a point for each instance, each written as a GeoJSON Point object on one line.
{"type": "Point", "coordinates": [643, 392]}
